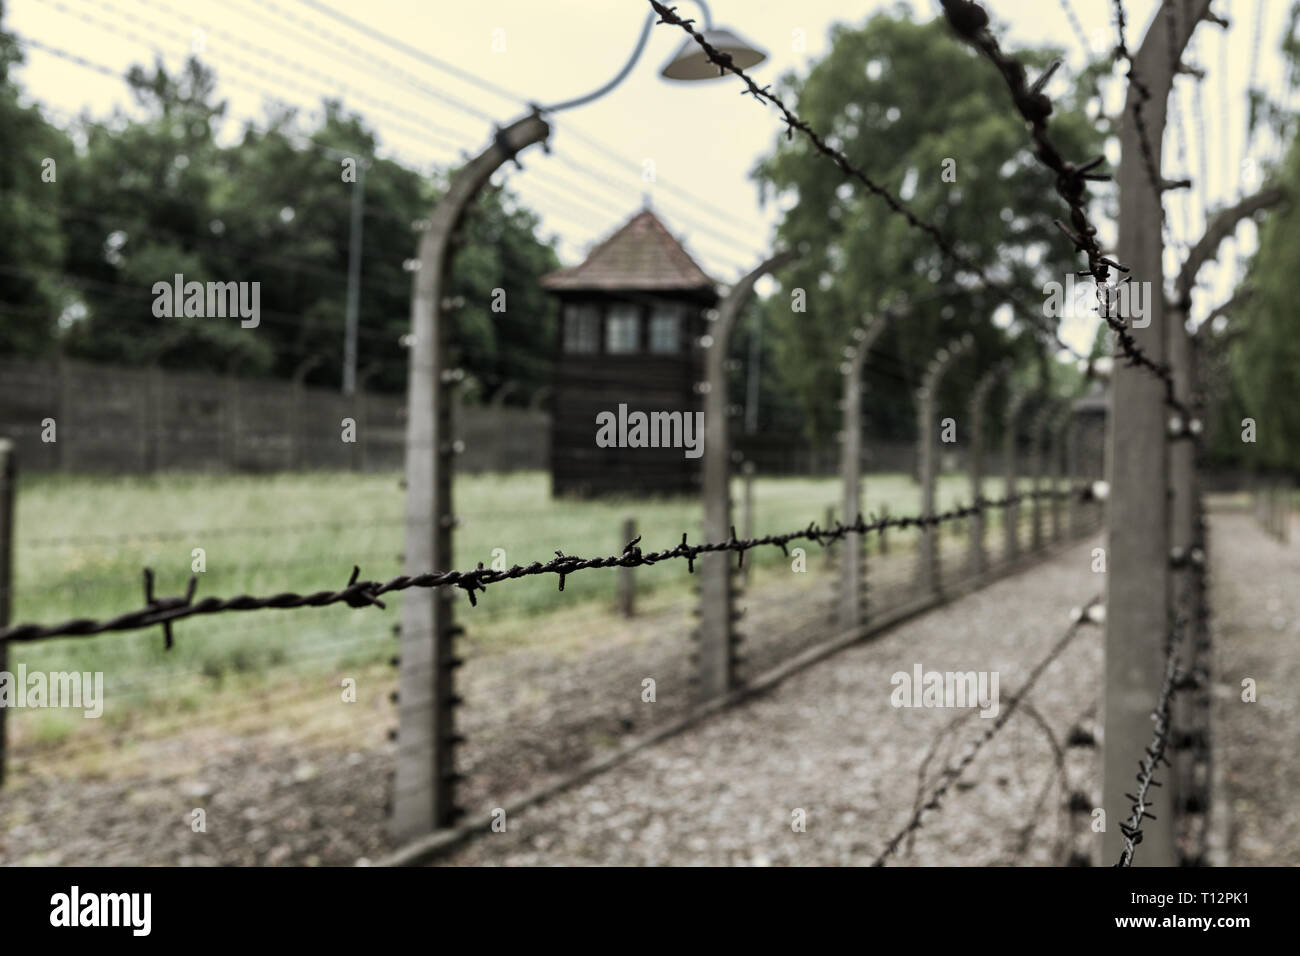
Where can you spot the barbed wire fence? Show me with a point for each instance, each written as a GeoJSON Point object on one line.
{"type": "Point", "coordinates": [424, 789]}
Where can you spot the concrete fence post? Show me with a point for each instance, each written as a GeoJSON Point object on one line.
{"type": "Point", "coordinates": [233, 406]}
{"type": "Point", "coordinates": [978, 561]}
{"type": "Point", "coordinates": [1010, 474]}
{"type": "Point", "coordinates": [1281, 509]}
{"type": "Point", "coordinates": [297, 409]}
{"type": "Point", "coordinates": [716, 640]}
{"type": "Point", "coordinates": [1057, 473]}
{"type": "Point", "coordinates": [928, 575]}
{"type": "Point", "coordinates": [1039, 432]}
{"type": "Point", "coordinates": [1071, 449]}
{"type": "Point", "coordinates": [747, 513]}
{"type": "Point", "coordinates": [155, 439]}
{"type": "Point", "coordinates": [853, 561]}
{"type": "Point", "coordinates": [424, 782]}
{"type": "Point", "coordinates": [1138, 586]}
{"type": "Point", "coordinates": [627, 576]}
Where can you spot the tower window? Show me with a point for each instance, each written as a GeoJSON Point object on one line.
{"type": "Point", "coordinates": [622, 330]}
{"type": "Point", "coordinates": [666, 329]}
{"type": "Point", "coordinates": [581, 329]}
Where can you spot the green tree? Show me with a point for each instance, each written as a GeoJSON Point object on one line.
{"type": "Point", "coordinates": [36, 167]}
{"type": "Point", "coordinates": [907, 103]}
{"type": "Point", "coordinates": [139, 210]}
{"type": "Point", "coordinates": [1265, 357]}
{"type": "Point", "coordinates": [1263, 335]}
{"type": "Point", "coordinates": [155, 197]}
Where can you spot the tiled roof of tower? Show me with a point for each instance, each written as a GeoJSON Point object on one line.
{"type": "Point", "coordinates": [641, 255]}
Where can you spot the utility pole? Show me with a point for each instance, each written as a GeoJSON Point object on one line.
{"type": "Point", "coordinates": [354, 280]}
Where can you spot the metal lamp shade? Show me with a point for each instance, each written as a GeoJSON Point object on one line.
{"type": "Point", "coordinates": [692, 63]}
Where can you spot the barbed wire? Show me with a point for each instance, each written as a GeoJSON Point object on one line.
{"type": "Point", "coordinates": [1154, 752]}
{"type": "Point", "coordinates": [1061, 777]}
{"type": "Point", "coordinates": [1082, 616]}
{"type": "Point", "coordinates": [971, 21]}
{"type": "Point", "coordinates": [1122, 53]}
{"type": "Point", "coordinates": [359, 593]}
{"type": "Point", "coordinates": [385, 69]}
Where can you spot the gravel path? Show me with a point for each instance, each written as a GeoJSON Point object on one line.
{"type": "Point", "coordinates": [828, 742]}
{"type": "Point", "coordinates": [1257, 635]}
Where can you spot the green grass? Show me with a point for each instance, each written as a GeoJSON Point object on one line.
{"type": "Point", "coordinates": [303, 532]}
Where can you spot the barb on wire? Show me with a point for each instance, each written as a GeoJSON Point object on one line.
{"type": "Point", "coordinates": [359, 593]}
{"type": "Point", "coordinates": [951, 774]}
{"type": "Point", "coordinates": [764, 94]}
{"type": "Point", "coordinates": [971, 21]}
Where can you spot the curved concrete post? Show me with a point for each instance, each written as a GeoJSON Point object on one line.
{"type": "Point", "coordinates": [1040, 430]}
{"type": "Point", "coordinates": [851, 605]}
{"type": "Point", "coordinates": [423, 790]}
{"type": "Point", "coordinates": [1183, 486]}
{"type": "Point", "coordinates": [716, 657]}
{"type": "Point", "coordinates": [927, 404]}
{"type": "Point", "coordinates": [978, 406]}
{"type": "Point", "coordinates": [1069, 444]}
{"type": "Point", "coordinates": [1060, 426]}
{"type": "Point", "coordinates": [1010, 472]}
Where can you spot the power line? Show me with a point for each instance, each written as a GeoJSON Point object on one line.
{"type": "Point", "coordinates": [385, 70]}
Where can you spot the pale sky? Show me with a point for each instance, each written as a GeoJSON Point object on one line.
{"type": "Point", "coordinates": [701, 138]}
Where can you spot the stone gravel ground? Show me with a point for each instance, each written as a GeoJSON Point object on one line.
{"type": "Point", "coordinates": [1256, 614]}
{"type": "Point", "coordinates": [827, 742]}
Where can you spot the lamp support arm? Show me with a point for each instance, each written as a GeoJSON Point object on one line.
{"type": "Point", "coordinates": [627, 67]}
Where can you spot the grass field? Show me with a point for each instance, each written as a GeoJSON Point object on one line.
{"type": "Point", "coordinates": [82, 542]}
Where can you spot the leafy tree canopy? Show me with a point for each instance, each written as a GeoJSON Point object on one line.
{"type": "Point", "coordinates": [906, 101]}
{"type": "Point", "coordinates": [146, 199]}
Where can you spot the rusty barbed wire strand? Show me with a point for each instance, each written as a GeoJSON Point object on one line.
{"type": "Point", "coordinates": [970, 20]}
{"type": "Point", "coordinates": [668, 15]}
{"type": "Point", "coordinates": [358, 593]}
{"type": "Point", "coordinates": [1178, 66]}
{"type": "Point", "coordinates": [952, 773]}
{"type": "Point", "coordinates": [947, 733]}
{"type": "Point", "coordinates": [1123, 53]}
{"type": "Point", "coordinates": [1193, 596]}
{"type": "Point", "coordinates": [1060, 778]}
{"type": "Point", "coordinates": [1154, 752]}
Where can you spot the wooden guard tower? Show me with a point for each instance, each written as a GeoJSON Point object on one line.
{"type": "Point", "coordinates": [632, 316]}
